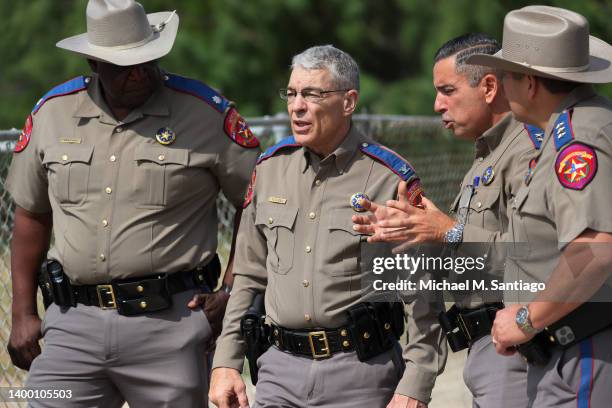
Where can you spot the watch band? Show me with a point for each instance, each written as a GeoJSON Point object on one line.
{"type": "Point", "coordinates": [454, 236]}
{"type": "Point", "coordinates": [523, 320]}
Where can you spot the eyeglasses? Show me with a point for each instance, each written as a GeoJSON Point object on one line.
{"type": "Point", "coordinates": [309, 94]}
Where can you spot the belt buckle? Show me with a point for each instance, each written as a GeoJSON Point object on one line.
{"type": "Point", "coordinates": [319, 336]}
{"type": "Point", "coordinates": [105, 291]}
{"type": "Point", "coordinates": [463, 327]}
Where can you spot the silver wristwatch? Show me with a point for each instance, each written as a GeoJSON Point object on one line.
{"type": "Point", "coordinates": [524, 322]}
{"type": "Point", "coordinates": [454, 236]}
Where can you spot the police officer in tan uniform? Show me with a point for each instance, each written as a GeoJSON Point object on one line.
{"type": "Point", "coordinates": [472, 104]}
{"type": "Point", "coordinates": [562, 209]}
{"type": "Point", "coordinates": [297, 243]}
{"type": "Point", "coordinates": [124, 167]}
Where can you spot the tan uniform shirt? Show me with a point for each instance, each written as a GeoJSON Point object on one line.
{"type": "Point", "coordinates": [547, 215]}
{"type": "Point", "coordinates": [296, 242]}
{"type": "Point", "coordinates": [506, 148]}
{"type": "Point", "coordinates": [123, 204]}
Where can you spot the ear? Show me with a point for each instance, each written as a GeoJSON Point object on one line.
{"type": "Point", "coordinates": [532, 86]}
{"type": "Point", "coordinates": [350, 102]}
{"type": "Point", "coordinates": [93, 64]}
{"type": "Point", "coordinates": [490, 87]}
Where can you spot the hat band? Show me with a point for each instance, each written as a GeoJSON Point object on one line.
{"type": "Point", "coordinates": [554, 69]}
{"type": "Point", "coordinates": [124, 46]}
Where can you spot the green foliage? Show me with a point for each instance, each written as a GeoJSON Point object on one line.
{"type": "Point", "coordinates": [244, 48]}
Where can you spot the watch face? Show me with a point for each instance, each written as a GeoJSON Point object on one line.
{"type": "Point", "coordinates": [522, 315]}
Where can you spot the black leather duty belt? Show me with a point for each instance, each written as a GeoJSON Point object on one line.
{"type": "Point", "coordinates": [463, 327]}
{"type": "Point", "coordinates": [477, 323]}
{"type": "Point", "coordinates": [109, 296]}
{"type": "Point", "coordinates": [315, 344]}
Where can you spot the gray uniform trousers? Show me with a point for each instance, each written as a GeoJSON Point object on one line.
{"type": "Point", "coordinates": [495, 381]}
{"type": "Point", "coordinates": [579, 377]}
{"type": "Point", "coordinates": [341, 381]}
{"type": "Point", "coordinates": [103, 358]}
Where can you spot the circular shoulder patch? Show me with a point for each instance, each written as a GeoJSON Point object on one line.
{"type": "Point", "coordinates": [576, 166]}
{"type": "Point", "coordinates": [236, 128]}
{"type": "Point", "coordinates": [24, 136]}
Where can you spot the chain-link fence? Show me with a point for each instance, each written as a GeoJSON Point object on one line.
{"type": "Point", "coordinates": [438, 158]}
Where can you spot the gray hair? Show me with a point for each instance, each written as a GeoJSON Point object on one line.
{"type": "Point", "coordinates": [342, 66]}
{"type": "Point", "coordinates": [466, 45]}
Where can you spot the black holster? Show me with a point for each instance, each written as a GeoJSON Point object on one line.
{"type": "Point", "coordinates": [212, 272]}
{"type": "Point", "coordinates": [463, 327]}
{"type": "Point", "coordinates": [255, 333]}
{"type": "Point", "coordinates": [55, 285]}
{"type": "Point", "coordinates": [587, 320]}
{"type": "Point", "coordinates": [375, 327]}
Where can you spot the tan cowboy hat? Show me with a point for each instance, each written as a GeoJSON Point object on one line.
{"type": "Point", "coordinates": [550, 42]}
{"type": "Point", "coordinates": [119, 32]}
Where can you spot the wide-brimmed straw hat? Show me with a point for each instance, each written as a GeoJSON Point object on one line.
{"type": "Point", "coordinates": [550, 42]}
{"type": "Point", "coordinates": [121, 33]}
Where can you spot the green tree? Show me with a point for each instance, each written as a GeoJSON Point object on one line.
{"type": "Point", "coordinates": [244, 48]}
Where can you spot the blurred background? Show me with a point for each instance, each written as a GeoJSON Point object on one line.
{"type": "Point", "coordinates": [244, 49]}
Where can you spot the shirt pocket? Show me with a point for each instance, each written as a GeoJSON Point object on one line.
{"type": "Point", "coordinates": [156, 170]}
{"type": "Point", "coordinates": [277, 222]}
{"type": "Point", "coordinates": [68, 169]}
{"type": "Point", "coordinates": [520, 247]}
{"type": "Point", "coordinates": [344, 245]}
{"type": "Point", "coordinates": [484, 209]}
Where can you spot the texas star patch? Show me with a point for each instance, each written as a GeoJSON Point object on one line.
{"type": "Point", "coordinates": [24, 136]}
{"type": "Point", "coordinates": [576, 166]}
{"type": "Point", "coordinates": [236, 128]}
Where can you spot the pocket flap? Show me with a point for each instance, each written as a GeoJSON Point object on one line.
{"type": "Point", "coordinates": [275, 215]}
{"type": "Point", "coordinates": [341, 220]}
{"type": "Point", "coordinates": [518, 201]}
{"type": "Point", "coordinates": [161, 155]}
{"type": "Point", "coordinates": [68, 154]}
{"type": "Point", "coordinates": [484, 199]}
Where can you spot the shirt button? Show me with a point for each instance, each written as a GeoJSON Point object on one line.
{"type": "Point", "coordinates": [305, 283]}
{"type": "Point", "coordinates": [113, 158]}
{"type": "Point", "coordinates": [307, 317]}
{"type": "Point", "coordinates": [480, 159]}
{"type": "Point", "coordinates": [64, 157]}
{"type": "Point", "coordinates": [479, 204]}
{"type": "Point", "coordinates": [270, 220]}
{"type": "Point", "coordinates": [102, 257]}
{"type": "Point", "coordinates": [119, 129]}
{"type": "Point", "coordinates": [108, 190]}
{"type": "Point", "coordinates": [312, 215]}
{"type": "Point", "coordinates": [317, 182]}
{"type": "Point", "coordinates": [161, 157]}
{"type": "Point", "coordinates": [104, 223]}
{"type": "Point", "coordinates": [308, 249]}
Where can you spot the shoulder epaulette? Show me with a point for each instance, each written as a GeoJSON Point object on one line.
{"type": "Point", "coordinates": [389, 158]}
{"type": "Point", "coordinates": [283, 144]}
{"type": "Point", "coordinates": [562, 130]}
{"type": "Point", "coordinates": [197, 89]}
{"type": "Point", "coordinates": [536, 135]}
{"type": "Point", "coordinates": [67, 88]}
